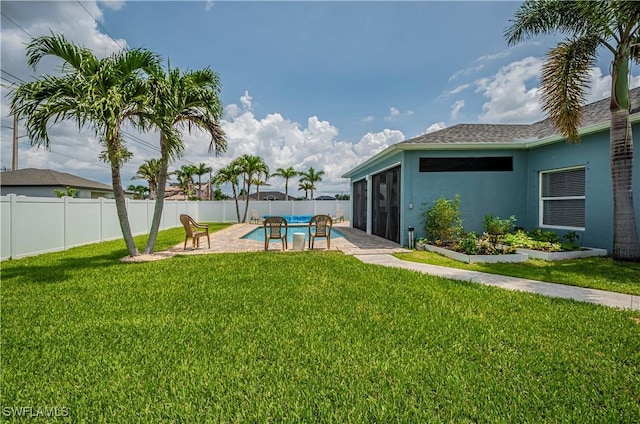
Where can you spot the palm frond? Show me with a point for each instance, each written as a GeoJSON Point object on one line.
{"type": "Point", "coordinates": [56, 45]}
{"type": "Point", "coordinates": [544, 18]}
{"type": "Point", "coordinates": [565, 77]}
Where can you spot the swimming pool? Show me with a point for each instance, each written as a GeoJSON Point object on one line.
{"type": "Point", "coordinates": [258, 234]}
{"type": "Point", "coordinates": [294, 219]}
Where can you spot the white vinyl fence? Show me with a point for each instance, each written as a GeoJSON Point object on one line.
{"type": "Point", "coordinates": [34, 225]}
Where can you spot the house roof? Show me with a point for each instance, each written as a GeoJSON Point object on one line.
{"type": "Point", "coordinates": [49, 177]}
{"type": "Point", "coordinates": [467, 136]}
{"type": "Point", "coordinates": [273, 194]}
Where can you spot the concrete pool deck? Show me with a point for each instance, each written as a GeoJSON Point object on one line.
{"type": "Point", "coordinates": [379, 251]}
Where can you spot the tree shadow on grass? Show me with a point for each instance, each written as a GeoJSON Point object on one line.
{"type": "Point", "coordinates": [57, 270]}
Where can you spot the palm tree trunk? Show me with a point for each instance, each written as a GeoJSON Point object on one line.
{"type": "Point", "coordinates": [286, 189]}
{"type": "Point", "coordinates": [626, 243]}
{"type": "Point", "coordinates": [246, 204]}
{"type": "Point", "coordinates": [121, 209]}
{"type": "Point", "coordinates": [159, 205]}
{"type": "Point", "coordinates": [235, 197]}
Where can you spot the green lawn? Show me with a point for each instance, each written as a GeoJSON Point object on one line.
{"type": "Point", "coordinates": [595, 272]}
{"type": "Point", "coordinates": [301, 337]}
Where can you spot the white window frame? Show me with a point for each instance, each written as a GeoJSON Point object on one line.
{"type": "Point", "coordinates": [546, 199]}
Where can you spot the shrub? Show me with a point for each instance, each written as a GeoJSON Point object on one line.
{"type": "Point", "coordinates": [469, 244]}
{"type": "Point", "coordinates": [497, 228]}
{"type": "Point", "coordinates": [443, 220]}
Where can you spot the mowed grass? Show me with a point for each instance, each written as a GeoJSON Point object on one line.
{"type": "Point", "coordinates": [302, 337]}
{"type": "Point", "coordinates": [595, 273]}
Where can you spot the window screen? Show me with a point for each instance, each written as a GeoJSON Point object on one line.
{"type": "Point", "coordinates": [562, 198]}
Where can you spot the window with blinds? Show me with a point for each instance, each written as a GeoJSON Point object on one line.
{"type": "Point", "coordinates": [562, 198]}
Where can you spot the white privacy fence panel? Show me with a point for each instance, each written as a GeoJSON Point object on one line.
{"type": "Point", "coordinates": [35, 225]}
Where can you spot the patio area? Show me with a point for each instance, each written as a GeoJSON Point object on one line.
{"type": "Point", "coordinates": [355, 242]}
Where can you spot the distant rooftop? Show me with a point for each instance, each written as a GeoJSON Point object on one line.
{"type": "Point", "coordinates": [48, 177]}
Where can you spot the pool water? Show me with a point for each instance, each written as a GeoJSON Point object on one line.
{"type": "Point", "coordinates": [295, 219]}
{"type": "Point", "coordinates": [258, 234]}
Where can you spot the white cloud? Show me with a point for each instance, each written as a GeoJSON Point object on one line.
{"type": "Point", "coordinates": [466, 72]}
{"type": "Point", "coordinates": [208, 5]}
{"type": "Point", "coordinates": [600, 85]}
{"type": "Point", "coordinates": [394, 113]}
{"type": "Point", "coordinates": [246, 100]}
{"type": "Point", "coordinates": [283, 143]}
{"type": "Point", "coordinates": [458, 89]}
{"type": "Point", "coordinates": [510, 101]}
{"type": "Point", "coordinates": [456, 108]}
{"type": "Point", "coordinates": [436, 126]}
{"type": "Point", "coordinates": [369, 118]}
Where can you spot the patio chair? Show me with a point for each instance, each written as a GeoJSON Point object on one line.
{"type": "Point", "coordinates": [194, 231]}
{"type": "Point", "coordinates": [339, 216]}
{"type": "Point", "coordinates": [275, 228]}
{"type": "Point", "coordinates": [255, 218]}
{"type": "Point", "coordinates": [322, 225]}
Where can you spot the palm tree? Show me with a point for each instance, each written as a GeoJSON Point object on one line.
{"type": "Point", "coordinates": [102, 93]}
{"type": "Point", "coordinates": [230, 174]}
{"type": "Point", "coordinates": [285, 173]}
{"type": "Point", "coordinates": [185, 179]}
{"type": "Point", "coordinates": [183, 100]}
{"type": "Point", "coordinates": [201, 169]}
{"type": "Point", "coordinates": [149, 171]}
{"type": "Point", "coordinates": [258, 183]}
{"type": "Point", "coordinates": [306, 186]}
{"type": "Point", "coordinates": [251, 168]}
{"type": "Point", "coordinates": [590, 25]}
{"type": "Point", "coordinates": [312, 177]}
{"type": "Point", "coordinates": [139, 191]}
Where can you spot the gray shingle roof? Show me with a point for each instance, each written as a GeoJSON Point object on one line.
{"type": "Point", "coordinates": [48, 177]}
{"type": "Point", "coordinates": [593, 113]}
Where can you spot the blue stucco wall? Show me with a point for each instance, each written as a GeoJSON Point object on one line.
{"type": "Point", "coordinates": [498, 193]}
{"type": "Point", "coordinates": [511, 193]}
{"type": "Point", "coordinates": [593, 153]}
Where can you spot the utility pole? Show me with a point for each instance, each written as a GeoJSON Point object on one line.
{"type": "Point", "coordinates": [14, 162]}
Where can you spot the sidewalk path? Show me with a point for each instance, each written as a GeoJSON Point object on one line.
{"type": "Point", "coordinates": [600, 297]}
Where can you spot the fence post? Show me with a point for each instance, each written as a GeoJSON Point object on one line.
{"type": "Point", "coordinates": [101, 217]}
{"type": "Point", "coordinates": [13, 236]}
{"type": "Point", "coordinates": [65, 222]}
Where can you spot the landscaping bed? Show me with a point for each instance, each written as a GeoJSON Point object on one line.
{"type": "Point", "coordinates": [469, 259]}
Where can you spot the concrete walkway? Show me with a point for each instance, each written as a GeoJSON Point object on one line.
{"type": "Point", "coordinates": [600, 297]}
{"type": "Point", "coordinates": [379, 251]}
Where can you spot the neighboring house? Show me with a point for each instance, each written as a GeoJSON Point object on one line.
{"type": "Point", "coordinates": [269, 195]}
{"type": "Point", "coordinates": [325, 198]}
{"type": "Point", "coordinates": [42, 183]}
{"type": "Point", "coordinates": [524, 170]}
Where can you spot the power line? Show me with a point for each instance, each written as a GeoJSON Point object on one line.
{"type": "Point", "coordinates": [13, 22]}
{"type": "Point", "coordinates": [12, 76]}
{"type": "Point", "coordinates": [101, 26]}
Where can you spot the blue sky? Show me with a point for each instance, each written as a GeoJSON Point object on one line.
{"type": "Point", "coordinates": [322, 84]}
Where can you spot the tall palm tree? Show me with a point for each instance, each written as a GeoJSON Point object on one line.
{"type": "Point", "coordinates": [306, 186]}
{"type": "Point", "coordinates": [612, 26]}
{"type": "Point", "coordinates": [149, 171]}
{"type": "Point", "coordinates": [230, 175]}
{"type": "Point", "coordinates": [251, 167]}
{"type": "Point", "coordinates": [312, 177]}
{"type": "Point", "coordinates": [201, 169]}
{"type": "Point", "coordinates": [185, 179]}
{"type": "Point", "coordinates": [285, 173]}
{"type": "Point", "coordinates": [101, 93]}
{"type": "Point", "coordinates": [183, 100]}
